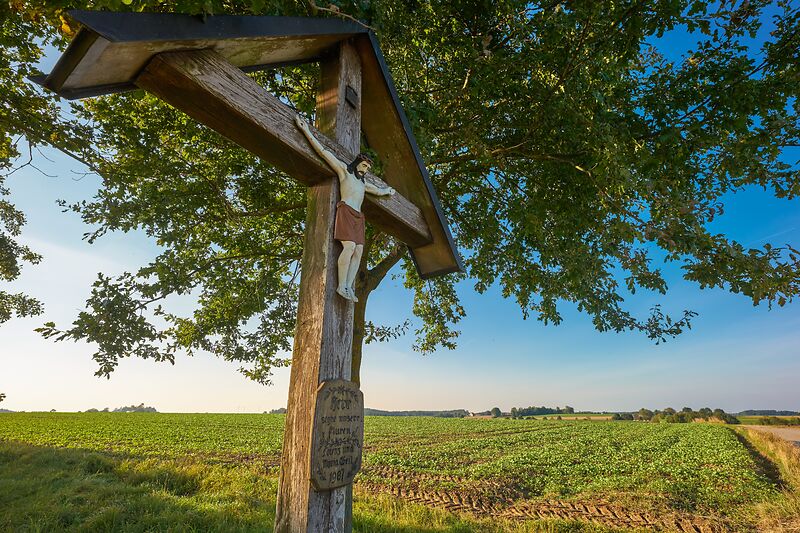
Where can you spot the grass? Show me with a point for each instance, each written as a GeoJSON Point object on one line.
{"type": "Point", "coordinates": [168, 472]}
{"type": "Point", "coordinates": [47, 489]}
{"type": "Point", "coordinates": [783, 512]}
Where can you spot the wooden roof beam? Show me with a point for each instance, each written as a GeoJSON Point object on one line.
{"type": "Point", "coordinates": [211, 90]}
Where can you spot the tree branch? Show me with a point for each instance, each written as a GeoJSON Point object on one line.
{"type": "Point", "coordinates": [379, 271]}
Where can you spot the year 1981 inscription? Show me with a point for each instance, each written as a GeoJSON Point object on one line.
{"type": "Point", "coordinates": [338, 434]}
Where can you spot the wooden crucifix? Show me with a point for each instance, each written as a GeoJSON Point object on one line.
{"type": "Point", "coordinates": [196, 65]}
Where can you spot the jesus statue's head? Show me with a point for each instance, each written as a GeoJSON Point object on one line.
{"type": "Point", "coordinates": [360, 166]}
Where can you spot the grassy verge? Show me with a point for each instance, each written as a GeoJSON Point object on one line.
{"type": "Point", "coordinates": [781, 513]}
{"type": "Point", "coordinates": [54, 489]}
{"type": "Point", "coordinates": [45, 489]}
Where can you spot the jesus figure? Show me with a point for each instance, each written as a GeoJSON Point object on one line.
{"type": "Point", "coordinates": [349, 227]}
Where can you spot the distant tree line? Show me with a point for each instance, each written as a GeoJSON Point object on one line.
{"type": "Point", "coordinates": [670, 415]}
{"type": "Point", "coordinates": [454, 413]}
{"type": "Point", "coordinates": [141, 408]}
{"type": "Point", "coordinates": [775, 421]}
{"type": "Point", "coordinates": [519, 412]}
{"type": "Point", "coordinates": [768, 412]}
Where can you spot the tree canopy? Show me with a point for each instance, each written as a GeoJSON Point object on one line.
{"type": "Point", "coordinates": [569, 153]}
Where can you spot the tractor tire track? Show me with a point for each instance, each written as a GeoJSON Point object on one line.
{"type": "Point", "coordinates": [486, 499]}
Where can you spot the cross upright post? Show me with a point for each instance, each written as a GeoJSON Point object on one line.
{"type": "Point", "coordinates": [324, 335]}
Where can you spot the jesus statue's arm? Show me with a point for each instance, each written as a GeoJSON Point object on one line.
{"type": "Point", "coordinates": [378, 191]}
{"type": "Point", "coordinates": [339, 167]}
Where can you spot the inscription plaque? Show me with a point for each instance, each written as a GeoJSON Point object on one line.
{"type": "Point", "coordinates": [338, 434]}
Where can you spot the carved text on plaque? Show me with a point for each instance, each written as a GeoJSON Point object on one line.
{"type": "Point", "coordinates": [338, 435]}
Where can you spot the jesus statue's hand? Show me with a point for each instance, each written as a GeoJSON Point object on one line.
{"type": "Point", "coordinates": [301, 123]}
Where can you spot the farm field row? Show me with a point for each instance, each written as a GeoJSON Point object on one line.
{"type": "Point", "coordinates": [615, 473]}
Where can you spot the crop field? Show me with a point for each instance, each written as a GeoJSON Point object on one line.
{"type": "Point", "coordinates": [219, 472]}
{"type": "Point", "coordinates": [756, 419]}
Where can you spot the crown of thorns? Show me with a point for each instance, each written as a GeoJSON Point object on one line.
{"type": "Point", "coordinates": [362, 157]}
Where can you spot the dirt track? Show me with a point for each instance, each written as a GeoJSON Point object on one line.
{"type": "Point", "coordinates": [791, 434]}
{"type": "Point", "coordinates": [489, 499]}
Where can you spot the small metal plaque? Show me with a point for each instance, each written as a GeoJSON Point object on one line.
{"type": "Point", "coordinates": [351, 97]}
{"type": "Point", "coordinates": [338, 434]}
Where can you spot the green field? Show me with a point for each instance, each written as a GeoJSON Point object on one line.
{"type": "Point", "coordinates": [748, 420]}
{"type": "Point", "coordinates": [757, 419]}
{"type": "Point", "coordinates": [142, 472]}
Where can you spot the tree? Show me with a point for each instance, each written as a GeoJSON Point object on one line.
{"type": "Point", "coordinates": [496, 412]}
{"type": "Point", "coordinates": [627, 160]}
{"type": "Point", "coordinates": [644, 414]}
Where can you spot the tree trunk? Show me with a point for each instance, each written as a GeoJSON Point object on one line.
{"type": "Point", "coordinates": [359, 330]}
{"type": "Point", "coordinates": [366, 282]}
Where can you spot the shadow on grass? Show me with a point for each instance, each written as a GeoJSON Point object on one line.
{"type": "Point", "coordinates": [374, 524]}
{"type": "Point", "coordinates": [763, 465]}
{"type": "Point", "coordinates": [57, 489]}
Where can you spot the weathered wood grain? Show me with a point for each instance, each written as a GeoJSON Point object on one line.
{"type": "Point", "coordinates": [324, 333]}
{"type": "Point", "coordinates": [211, 90]}
{"type": "Point", "coordinates": [387, 131]}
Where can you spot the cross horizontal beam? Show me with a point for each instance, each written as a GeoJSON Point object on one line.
{"type": "Point", "coordinates": [208, 88]}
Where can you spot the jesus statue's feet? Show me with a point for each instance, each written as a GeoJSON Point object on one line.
{"type": "Point", "coordinates": [344, 292]}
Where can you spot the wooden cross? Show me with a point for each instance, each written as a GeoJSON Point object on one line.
{"type": "Point", "coordinates": [196, 67]}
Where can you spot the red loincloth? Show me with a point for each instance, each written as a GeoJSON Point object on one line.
{"type": "Point", "coordinates": [349, 224]}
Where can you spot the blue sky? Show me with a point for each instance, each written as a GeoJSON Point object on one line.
{"type": "Point", "coordinates": [736, 356]}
